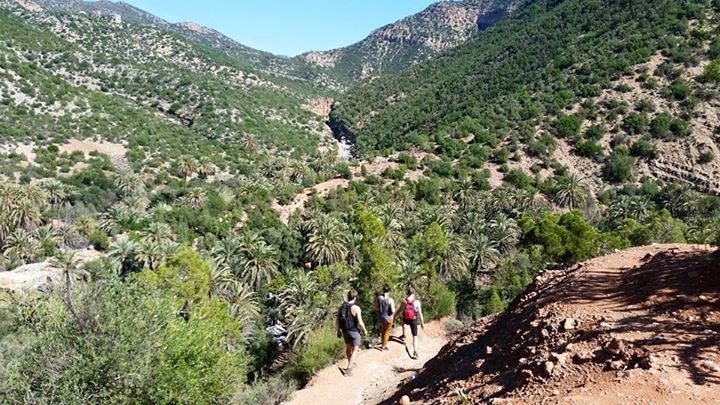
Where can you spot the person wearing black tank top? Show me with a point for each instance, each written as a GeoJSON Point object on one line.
{"type": "Point", "coordinates": [349, 324]}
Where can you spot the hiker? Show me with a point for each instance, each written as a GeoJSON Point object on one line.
{"type": "Point", "coordinates": [349, 324]}
{"type": "Point", "coordinates": [386, 312]}
{"type": "Point", "coordinates": [412, 313]}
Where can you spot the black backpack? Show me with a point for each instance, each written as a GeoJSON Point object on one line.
{"type": "Point", "coordinates": [344, 317]}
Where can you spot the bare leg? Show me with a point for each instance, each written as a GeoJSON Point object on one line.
{"type": "Point", "coordinates": [415, 342]}
{"type": "Point", "coordinates": [349, 354]}
{"type": "Point", "coordinates": [353, 354]}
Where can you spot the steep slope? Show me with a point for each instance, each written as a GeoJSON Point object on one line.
{"type": "Point", "coordinates": [562, 83]}
{"type": "Point", "coordinates": [118, 11]}
{"type": "Point", "coordinates": [416, 38]}
{"type": "Point", "coordinates": [82, 75]}
{"type": "Point", "coordinates": [638, 325]}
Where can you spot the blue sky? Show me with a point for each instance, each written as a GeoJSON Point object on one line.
{"type": "Point", "coordinates": [287, 27]}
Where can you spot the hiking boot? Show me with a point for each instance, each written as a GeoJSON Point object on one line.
{"type": "Point", "coordinates": [385, 349]}
{"type": "Point", "coordinates": [348, 372]}
{"type": "Point", "coordinates": [414, 356]}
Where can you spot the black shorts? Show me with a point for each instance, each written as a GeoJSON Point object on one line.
{"type": "Point", "coordinates": [413, 326]}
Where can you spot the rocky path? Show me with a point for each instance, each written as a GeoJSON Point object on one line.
{"type": "Point", "coordinates": [377, 374]}
{"type": "Point", "coordinates": [639, 326]}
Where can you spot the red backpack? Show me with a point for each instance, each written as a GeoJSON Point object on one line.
{"type": "Point", "coordinates": [409, 313]}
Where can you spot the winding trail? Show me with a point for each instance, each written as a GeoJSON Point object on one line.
{"type": "Point", "coordinates": [377, 374]}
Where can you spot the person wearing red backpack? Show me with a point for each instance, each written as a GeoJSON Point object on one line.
{"type": "Point", "coordinates": [411, 311]}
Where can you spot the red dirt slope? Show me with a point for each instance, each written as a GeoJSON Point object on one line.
{"type": "Point", "coordinates": [641, 326]}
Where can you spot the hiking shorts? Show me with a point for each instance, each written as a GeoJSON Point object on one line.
{"type": "Point", "coordinates": [352, 338]}
{"type": "Point", "coordinates": [413, 326]}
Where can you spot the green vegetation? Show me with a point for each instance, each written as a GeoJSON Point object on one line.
{"type": "Point", "coordinates": [519, 153]}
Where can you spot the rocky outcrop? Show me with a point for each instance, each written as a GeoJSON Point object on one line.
{"type": "Point", "coordinates": [396, 46]}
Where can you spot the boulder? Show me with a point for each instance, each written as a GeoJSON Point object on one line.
{"type": "Point", "coordinates": [569, 324]}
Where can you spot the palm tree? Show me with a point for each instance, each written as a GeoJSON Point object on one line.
{"type": "Point", "coordinates": [130, 183]}
{"type": "Point", "coordinates": [123, 251]}
{"type": "Point", "coordinates": [472, 223]}
{"type": "Point", "coordinates": [483, 253]}
{"type": "Point", "coordinates": [47, 237]}
{"type": "Point", "coordinates": [205, 167]}
{"type": "Point", "coordinates": [8, 197]}
{"type": "Point", "coordinates": [21, 245]}
{"type": "Point", "coordinates": [630, 207]}
{"type": "Point", "coordinates": [27, 213]}
{"type": "Point", "coordinates": [464, 194]}
{"type": "Point", "coordinates": [69, 237]}
{"type": "Point", "coordinates": [298, 301]}
{"type": "Point", "coordinates": [572, 193]}
{"type": "Point", "coordinates": [243, 302]}
{"type": "Point", "coordinates": [158, 232]}
{"type": "Point", "coordinates": [453, 262]}
{"type": "Point", "coordinates": [249, 143]}
{"type": "Point", "coordinates": [407, 200]}
{"type": "Point", "coordinates": [55, 190]}
{"type": "Point", "coordinates": [504, 232]}
{"type": "Point", "coordinates": [32, 193]}
{"type": "Point", "coordinates": [327, 242]}
{"type": "Point", "coordinates": [69, 264]}
{"type": "Point", "coordinates": [226, 252]}
{"type": "Point", "coordinates": [195, 198]}
{"type": "Point", "coordinates": [410, 272]}
{"type": "Point", "coordinates": [85, 225]}
{"type": "Point", "coordinates": [258, 262]}
{"type": "Point", "coordinates": [187, 167]}
{"type": "Point", "coordinates": [149, 253]}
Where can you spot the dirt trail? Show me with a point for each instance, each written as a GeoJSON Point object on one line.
{"type": "Point", "coordinates": [640, 326]}
{"type": "Point", "coordinates": [377, 375]}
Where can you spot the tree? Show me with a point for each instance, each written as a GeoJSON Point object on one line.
{"type": "Point", "coordinates": [483, 253]}
{"type": "Point", "coordinates": [327, 241]}
{"type": "Point", "coordinates": [620, 165]}
{"type": "Point", "coordinates": [258, 262]}
{"type": "Point", "coordinates": [195, 198]}
{"type": "Point", "coordinates": [129, 183]}
{"type": "Point", "coordinates": [572, 192]}
{"type": "Point", "coordinates": [187, 167]}
{"type": "Point", "coordinates": [493, 303]}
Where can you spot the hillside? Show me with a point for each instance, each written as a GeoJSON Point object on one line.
{"type": "Point", "coordinates": [137, 83]}
{"type": "Point", "coordinates": [635, 326]}
{"type": "Point", "coordinates": [592, 86]}
{"type": "Point", "coordinates": [416, 38]}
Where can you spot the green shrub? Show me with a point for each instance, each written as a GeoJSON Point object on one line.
{"type": "Point", "coordinates": [275, 390]}
{"type": "Point", "coordinates": [322, 348]}
{"type": "Point", "coordinates": [706, 157]}
{"type": "Point", "coordinates": [493, 303]}
{"type": "Point", "coordinates": [643, 149]}
{"type": "Point", "coordinates": [568, 125]}
{"type": "Point", "coordinates": [619, 167]}
{"type": "Point", "coordinates": [99, 240]}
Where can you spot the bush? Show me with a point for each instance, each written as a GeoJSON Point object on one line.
{"type": "Point", "coordinates": [275, 390]}
{"type": "Point", "coordinates": [589, 149]}
{"type": "Point", "coordinates": [322, 348]}
{"type": "Point", "coordinates": [493, 303]}
{"type": "Point", "coordinates": [643, 149]}
{"type": "Point", "coordinates": [619, 167]}
{"type": "Point", "coordinates": [99, 240]}
{"type": "Point", "coordinates": [706, 157]}
{"type": "Point", "coordinates": [127, 344]}
{"type": "Point", "coordinates": [568, 125]}
{"type": "Point", "coordinates": [440, 303]}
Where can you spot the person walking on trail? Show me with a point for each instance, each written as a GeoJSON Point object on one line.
{"type": "Point", "coordinates": [411, 311]}
{"type": "Point", "coordinates": [349, 324]}
{"type": "Point", "coordinates": [386, 312]}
